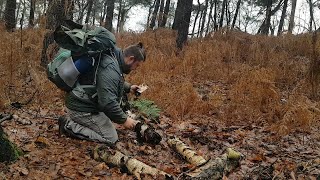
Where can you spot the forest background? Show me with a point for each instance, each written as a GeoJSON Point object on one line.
{"type": "Point", "coordinates": [226, 73]}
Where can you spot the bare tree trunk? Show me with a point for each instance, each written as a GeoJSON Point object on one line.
{"type": "Point", "coordinates": [236, 14]}
{"type": "Point", "coordinates": [183, 26]}
{"type": "Point", "coordinates": [122, 19]}
{"type": "Point", "coordinates": [149, 14]}
{"type": "Point", "coordinates": [90, 4]}
{"type": "Point", "coordinates": [23, 14]}
{"type": "Point", "coordinates": [119, 15]}
{"type": "Point", "coordinates": [154, 14]}
{"type": "Point", "coordinates": [82, 8]}
{"type": "Point", "coordinates": [228, 14]}
{"type": "Point", "coordinates": [215, 25]}
{"type": "Point", "coordinates": [283, 16]}
{"type": "Point", "coordinates": [18, 10]}
{"type": "Point", "coordinates": [103, 14]}
{"type": "Point", "coordinates": [204, 17]}
{"type": "Point", "coordinates": [31, 14]}
{"type": "Point", "coordinates": [9, 15]}
{"type": "Point", "coordinates": [165, 14]}
{"type": "Point", "coordinates": [195, 19]}
{"type": "Point", "coordinates": [293, 10]}
{"type": "Point", "coordinates": [209, 17]}
{"type": "Point", "coordinates": [266, 24]}
{"type": "Point", "coordinates": [94, 14]}
{"type": "Point", "coordinates": [178, 15]}
{"type": "Point", "coordinates": [110, 11]}
{"type": "Point", "coordinates": [1, 8]}
{"type": "Point", "coordinates": [224, 3]}
{"type": "Point", "coordinates": [311, 20]}
{"type": "Point", "coordinates": [44, 7]}
{"type": "Point", "coordinates": [56, 14]}
{"type": "Point", "coordinates": [160, 14]}
{"type": "Point", "coordinates": [200, 20]}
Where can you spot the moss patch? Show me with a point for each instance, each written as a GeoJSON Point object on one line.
{"type": "Point", "coordinates": [8, 151]}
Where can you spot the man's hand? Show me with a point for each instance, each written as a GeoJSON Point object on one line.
{"type": "Point", "coordinates": [134, 88]}
{"type": "Point", "coordinates": [130, 123]}
{"type": "Point", "coordinates": [137, 90]}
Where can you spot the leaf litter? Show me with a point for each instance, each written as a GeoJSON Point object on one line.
{"type": "Point", "coordinates": [265, 156]}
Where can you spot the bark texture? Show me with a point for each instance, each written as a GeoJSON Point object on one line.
{"type": "Point", "coordinates": [187, 153]}
{"type": "Point", "coordinates": [9, 15]}
{"type": "Point", "coordinates": [132, 165]}
{"type": "Point", "coordinates": [184, 22]}
{"type": "Point", "coordinates": [212, 169]}
{"type": "Point", "coordinates": [110, 11]}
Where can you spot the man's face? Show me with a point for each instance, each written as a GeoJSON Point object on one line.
{"type": "Point", "coordinates": [131, 63]}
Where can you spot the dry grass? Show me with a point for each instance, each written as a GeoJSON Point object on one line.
{"type": "Point", "coordinates": [229, 76]}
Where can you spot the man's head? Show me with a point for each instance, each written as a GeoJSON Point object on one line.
{"type": "Point", "coordinates": [134, 55]}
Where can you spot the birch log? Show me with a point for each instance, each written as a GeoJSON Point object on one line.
{"type": "Point", "coordinates": [188, 154]}
{"type": "Point", "coordinates": [134, 166]}
{"type": "Point", "coordinates": [212, 169]}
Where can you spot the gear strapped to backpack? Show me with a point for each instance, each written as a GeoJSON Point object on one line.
{"type": "Point", "coordinates": [78, 53]}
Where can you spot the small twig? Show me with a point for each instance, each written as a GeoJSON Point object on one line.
{"type": "Point", "coordinates": [292, 175]}
{"type": "Point", "coordinates": [48, 117]}
{"type": "Point", "coordinates": [31, 98]}
{"type": "Point", "coordinates": [7, 117]}
{"type": "Point", "coordinates": [275, 176]}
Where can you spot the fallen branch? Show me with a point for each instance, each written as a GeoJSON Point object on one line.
{"type": "Point", "coordinates": [213, 169]}
{"type": "Point", "coordinates": [5, 117]}
{"type": "Point", "coordinates": [134, 166]}
{"type": "Point", "coordinates": [188, 154]}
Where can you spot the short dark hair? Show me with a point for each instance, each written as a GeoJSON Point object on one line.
{"type": "Point", "coordinates": [136, 50]}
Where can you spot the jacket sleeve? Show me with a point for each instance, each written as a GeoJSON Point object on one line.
{"type": "Point", "coordinates": [108, 82]}
{"type": "Point", "coordinates": [127, 87]}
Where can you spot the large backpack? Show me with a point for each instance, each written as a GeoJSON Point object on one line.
{"type": "Point", "coordinates": [79, 50]}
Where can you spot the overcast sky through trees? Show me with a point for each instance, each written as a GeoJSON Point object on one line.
{"type": "Point", "coordinates": [138, 18]}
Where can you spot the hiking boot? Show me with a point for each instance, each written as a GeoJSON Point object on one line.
{"type": "Point", "coordinates": [62, 123]}
{"type": "Point", "coordinates": [63, 130]}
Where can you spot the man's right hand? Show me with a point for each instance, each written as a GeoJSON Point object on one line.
{"type": "Point", "coordinates": [130, 123]}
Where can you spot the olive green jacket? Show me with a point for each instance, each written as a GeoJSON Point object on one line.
{"type": "Point", "coordinates": [106, 95]}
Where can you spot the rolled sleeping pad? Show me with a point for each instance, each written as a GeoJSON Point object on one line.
{"type": "Point", "coordinates": [84, 64]}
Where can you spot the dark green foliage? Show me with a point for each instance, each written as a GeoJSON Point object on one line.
{"type": "Point", "coordinates": [265, 3]}
{"type": "Point", "coordinates": [8, 151]}
{"type": "Point", "coordinates": [146, 108]}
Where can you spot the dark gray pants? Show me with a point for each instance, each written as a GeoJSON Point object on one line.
{"type": "Point", "coordinates": [96, 127]}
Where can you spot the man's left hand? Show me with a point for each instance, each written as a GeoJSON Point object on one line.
{"type": "Point", "coordinates": [134, 89]}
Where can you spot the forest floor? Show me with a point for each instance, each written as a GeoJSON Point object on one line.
{"type": "Point", "coordinates": [265, 154]}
